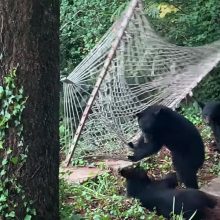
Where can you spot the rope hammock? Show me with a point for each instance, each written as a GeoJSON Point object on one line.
{"type": "Point", "coordinates": [129, 69]}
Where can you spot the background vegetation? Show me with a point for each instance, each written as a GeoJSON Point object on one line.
{"type": "Point", "coordinates": [190, 23]}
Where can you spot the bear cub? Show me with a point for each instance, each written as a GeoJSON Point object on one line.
{"type": "Point", "coordinates": [161, 195]}
{"type": "Point", "coordinates": [211, 114]}
{"type": "Point", "coordinates": [161, 126]}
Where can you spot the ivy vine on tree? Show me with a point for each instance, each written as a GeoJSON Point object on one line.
{"type": "Point", "coordinates": [12, 104]}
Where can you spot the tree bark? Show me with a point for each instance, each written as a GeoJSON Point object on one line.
{"type": "Point", "coordinates": [29, 40]}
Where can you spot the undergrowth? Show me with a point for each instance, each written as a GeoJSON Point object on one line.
{"type": "Point", "coordinates": [99, 199]}
{"type": "Point", "coordinates": [193, 113]}
{"type": "Point", "coordinates": [102, 198]}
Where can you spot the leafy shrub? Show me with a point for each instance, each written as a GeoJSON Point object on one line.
{"type": "Point", "coordinates": [194, 23]}
{"type": "Point", "coordinates": [82, 25]}
{"type": "Point", "coordinates": [192, 112]}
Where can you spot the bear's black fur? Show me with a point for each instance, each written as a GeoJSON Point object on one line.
{"type": "Point", "coordinates": [160, 194]}
{"type": "Point", "coordinates": [160, 126]}
{"type": "Point", "coordinates": [211, 114]}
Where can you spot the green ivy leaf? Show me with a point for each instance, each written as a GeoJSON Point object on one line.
{"type": "Point", "coordinates": [12, 104]}
{"type": "Point", "coordinates": [27, 217]}
{"type": "Point", "coordinates": [1, 91]}
{"type": "Point", "coordinates": [14, 160]}
{"type": "Point", "coordinates": [9, 151]}
{"type": "Point", "coordinates": [4, 162]}
{"type": "Point", "coordinates": [1, 145]}
{"type": "Point", "coordinates": [3, 198]}
{"type": "Point", "coordinates": [11, 214]}
{"type": "Point", "coordinates": [2, 173]}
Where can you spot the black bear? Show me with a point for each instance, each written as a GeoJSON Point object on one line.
{"type": "Point", "coordinates": [211, 114]}
{"type": "Point", "coordinates": [162, 196]}
{"type": "Point", "coordinates": [161, 126]}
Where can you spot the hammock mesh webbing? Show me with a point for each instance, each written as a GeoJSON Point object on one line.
{"type": "Point", "coordinates": [138, 68]}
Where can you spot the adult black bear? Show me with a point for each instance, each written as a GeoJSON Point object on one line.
{"type": "Point", "coordinates": [211, 114]}
{"type": "Point", "coordinates": [160, 195]}
{"type": "Point", "coordinates": [160, 126]}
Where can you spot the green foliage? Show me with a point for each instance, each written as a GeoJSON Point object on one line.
{"type": "Point", "coordinates": [99, 199]}
{"type": "Point", "coordinates": [192, 112]}
{"type": "Point", "coordinates": [152, 164]}
{"type": "Point", "coordinates": [62, 134]}
{"type": "Point", "coordinates": [12, 153]}
{"type": "Point", "coordinates": [215, 169]}
{"type": "Point", "coordinates": [102, 199]}
{"type": "Point", "coordinates": [78, 162]}
{"type": "Point", "coordinates": [191, 23]}
{"type": "Point", "coordinates": [206, 132]}
{"type": "Point", "coordinates": [209, 88]}
{"type": "Point", "coordinates": [82, 25]}
{"type": "Point", "coordinates": [194, 23]}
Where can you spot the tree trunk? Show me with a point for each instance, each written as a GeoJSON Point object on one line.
{"type": "Point", "coordinates": [29, 40]}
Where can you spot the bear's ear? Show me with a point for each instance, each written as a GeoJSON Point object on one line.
{"type": "Point", "coordinates": [201, 105]}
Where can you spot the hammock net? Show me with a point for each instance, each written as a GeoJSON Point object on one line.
{"type": "Point", "coordinates": [129, 69]}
